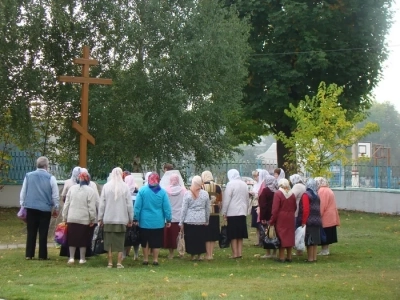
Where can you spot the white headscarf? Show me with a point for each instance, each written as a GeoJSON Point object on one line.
{"type": "Point", "coordinates": [75, 174]}
{"type": "Point", "coordinates": [165, 180]}
{"type": "Point", "coordinates": [116, 181]}
{"type": "Point", "coordinates": [233, 174]}
{"type": "Point", "coordinates": [281, 175]}
{"type": "Point", "coordinates": [146, 178]}
{"type": "Point", "coordinates": [257, 185]}
{"type": "Point", "coordinates": [284, 187]}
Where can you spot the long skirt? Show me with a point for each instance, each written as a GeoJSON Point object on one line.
{"type": "Point", "coordinates": [254, 217]}
{"type": "Point", "coordinates": [153, 237]}
{"type": "Point", "coordinates": [213, 229]}
{"type": "Point", "coordinates": [64, 250]}
{"type": "Point", "coordinates": [114, 237]}
{"type": "Point", "coordinates": [331, 235]}
{"type": "Point", "coordinates": [195, 238]}
{"type": "Point", "coordinates": [170, 236]}
{"type": "Point", "coordinates": [237, 227]}
{"type": "Point", "coordinates": [313, 235]}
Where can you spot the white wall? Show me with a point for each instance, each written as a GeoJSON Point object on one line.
{"type": "Point", "coordinates": [368, 200]}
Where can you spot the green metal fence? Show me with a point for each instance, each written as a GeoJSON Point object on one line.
{"type": "Point", "coordinates": [369, 176]}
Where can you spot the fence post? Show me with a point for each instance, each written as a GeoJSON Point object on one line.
{"type": "Point", "coordinates": [389, 178]}
{"type": "Point", "coordinates": [376, 179]}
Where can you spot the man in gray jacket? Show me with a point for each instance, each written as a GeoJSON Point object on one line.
{"type": "Point", "coordinates": [39, 195]}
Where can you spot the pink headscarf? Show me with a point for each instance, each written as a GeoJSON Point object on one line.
{"type": "Point", "coordinates": [130, 181]}
{"type": "Point", "coordinates": [174, 188]}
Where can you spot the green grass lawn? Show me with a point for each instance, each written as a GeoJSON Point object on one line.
{"type": "Point", "coordinates": [365, 264]}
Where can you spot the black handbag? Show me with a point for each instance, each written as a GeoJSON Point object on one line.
{"type": "Point", "coordinates": [261, 233]}
{"type": "Point", "coordinates": [224, 242]}
{"type": "Point", "coordinates": [131, 236]}
{"type": "Point", "coordinates": [271, 241]}
{"type": "Point", "coordinates": [98, 246]}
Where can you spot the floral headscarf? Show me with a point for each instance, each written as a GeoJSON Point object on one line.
{"type": "Point", "coordinates": [154, 179]}
{"type": "Point", "coordinates": [321, 181]}
{"type": "Point", "coordinates": [84, 178]}
{"type": "Point", "coordinates": [270, 182]}
{"type": "Point", "coordinates": [295, 179]}
{"type": "Point", "coordinates": [233, 174]}
{"type": "Point", "coordinates": [311, 187]}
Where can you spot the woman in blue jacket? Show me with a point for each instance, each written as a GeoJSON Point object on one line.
{"type": "Point", "coordinates": [152, 210]}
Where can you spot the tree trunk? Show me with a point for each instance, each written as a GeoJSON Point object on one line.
{"type": "Point", "coordinates": [281, 151]}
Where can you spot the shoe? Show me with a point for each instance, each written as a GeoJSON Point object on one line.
{"type": "Point", "coordinates": [279, 260]}
{"type": "Point", "coordinates": [323, 253]}
{"type": "Point", "coordinates": [309, 261]}
{"type": "Point", "coordinates": [44, 258]}
{"type": "Point", "coordinates": [28, 258]}
{"type": "Point", "coordinates": [71, 261]}
{"type": "Point", "coordinates": [145, 263]}
{"type": "Point", "coordinates": [136, 257]}
{"type": "Point", "coordinates": [266, 256]}
{"type": "Point", "coordinates": [82, 261]}
{"type": "Point", "coordinates": [119, 266]}
{"type": "Point", "coordinates": [288, 260]}
{"type": "Point", "coordinates": [109, 266]}
{"type": "Point", "coordinates": [155, 263]}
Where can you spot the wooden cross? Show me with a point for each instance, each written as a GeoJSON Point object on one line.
{"type": "Point", "coordinates": [85, 80]}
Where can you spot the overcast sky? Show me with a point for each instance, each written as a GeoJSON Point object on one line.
{"type": "Point", "coordinates": [387, 90]}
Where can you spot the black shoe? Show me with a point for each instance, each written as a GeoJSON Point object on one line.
{"type": "Point", "coordinates": [279, 260]}
{"type": "Point", "coordinates": [145, 263]}
{"type": "Point", "coordinates": [288, 260]}
{"type": "Point", "coordinates": [44, 258]}
{"type": "Point", "coordinates": [155, 263]}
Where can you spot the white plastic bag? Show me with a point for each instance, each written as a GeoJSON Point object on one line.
{"type": "Point", "coordinates": [299, 238]}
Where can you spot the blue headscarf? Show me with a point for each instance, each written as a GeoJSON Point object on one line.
{"type": "Point", "coordinates": [311, 187]}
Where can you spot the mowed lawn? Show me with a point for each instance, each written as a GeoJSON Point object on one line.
{"type": "Point", "coordinates": [365, 264]}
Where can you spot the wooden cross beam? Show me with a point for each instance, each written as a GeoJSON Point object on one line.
{"type": "Point", "coordinates": [85, 80]}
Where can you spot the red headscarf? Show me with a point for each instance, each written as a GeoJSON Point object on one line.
{"type": "Point", "coordinates": [154, 179]}
{"type": "Point", "coordinates": [84, 178]}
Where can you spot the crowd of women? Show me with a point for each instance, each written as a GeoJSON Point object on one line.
{"type": "Point", "coordinates": [162, 208]}
{"type": "Point", "coordinates": [309, 204]}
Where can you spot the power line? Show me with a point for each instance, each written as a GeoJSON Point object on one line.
{"type": "Point", "coordinates": [317, 51]}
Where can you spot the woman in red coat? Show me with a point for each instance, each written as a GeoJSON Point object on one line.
{"type": "Point", "coordinates": [283, 209]}
{"type": "Point", "coordinates": [265, 200]}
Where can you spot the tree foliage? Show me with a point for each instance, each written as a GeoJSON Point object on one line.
{"type": "Point", "coordinates": [299, 43]}
{"type": "Point", "coordinates": [178, 70]}
{"type": "Point", "coordinates": [323, 131]}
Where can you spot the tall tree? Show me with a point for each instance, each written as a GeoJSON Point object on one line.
{"type": "Point", "coordinates": [178, 69]}
{"type": "Point", "coordinates": [323, 131]}
{"type": "Point", "coordinates": [299, 43]}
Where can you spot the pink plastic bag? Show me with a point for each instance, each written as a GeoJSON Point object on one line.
{"type": "Point", "coordinates": [22, 214]}
{"type": "Point", "coordinates": [60, 235]}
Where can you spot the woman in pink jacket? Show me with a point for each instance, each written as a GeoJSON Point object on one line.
{"type": "Point", "coordinates": [329, 215]}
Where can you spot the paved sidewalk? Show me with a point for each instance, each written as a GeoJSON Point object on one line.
{"type": "Point", "coordinates": [19, 246]}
